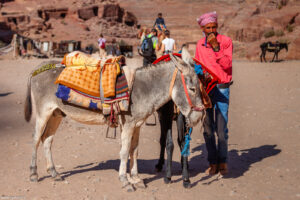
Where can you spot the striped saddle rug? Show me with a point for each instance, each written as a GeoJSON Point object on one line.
{"type": "Point", "coordinates": [93, 76]}
{"type": "Point", "coordinates": [94, 84]}
{"type": "Point", "coordinates": [119, 103]}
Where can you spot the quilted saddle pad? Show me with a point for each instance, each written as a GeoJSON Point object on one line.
{"type": "Point", "coordinates": [82, 73]}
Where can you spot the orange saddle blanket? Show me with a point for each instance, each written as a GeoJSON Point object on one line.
{"type": "Point", "coordinates": [82, 73]}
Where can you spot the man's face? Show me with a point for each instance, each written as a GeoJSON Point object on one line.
{"type": "Point", "coordinates": [210, 28]}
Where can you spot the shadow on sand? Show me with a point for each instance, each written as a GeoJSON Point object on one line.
{"type": "Point", "coordinates": [145, 167]}
{"type": "Point", "coordinates": [239, 162]}
{"type": "Point", "coordinates": [5, 94]}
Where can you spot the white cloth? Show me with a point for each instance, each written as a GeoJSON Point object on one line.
{"type": "Point", "coordinates": [169, 44]}
{"type": "Point", "coordinates": [100, 41]}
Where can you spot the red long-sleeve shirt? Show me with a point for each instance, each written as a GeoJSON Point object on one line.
{"type": "Point", "coordinates": [219, 63]}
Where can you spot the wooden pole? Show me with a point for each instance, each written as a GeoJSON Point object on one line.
{"type": "Point", "coordinates": [14, 43]}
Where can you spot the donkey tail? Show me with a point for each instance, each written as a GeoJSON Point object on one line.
{"type": "Point", "coordinates": [28, 102]}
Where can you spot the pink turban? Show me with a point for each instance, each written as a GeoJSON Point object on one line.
{"type": "Point", "coordinates": [206, 18]}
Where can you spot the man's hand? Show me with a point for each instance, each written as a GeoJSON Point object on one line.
{"type": "Point", "coordinates": [205, 78]}
{"type": "Point", "coordinates": [208, 78]}
{"type": "Point", "coordinates": [212, 40]}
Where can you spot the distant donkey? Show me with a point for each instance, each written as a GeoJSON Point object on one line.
{"type": "Point", "coordinates": [272, 47]}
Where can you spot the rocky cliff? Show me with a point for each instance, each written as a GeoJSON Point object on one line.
{"type": "Point", "coordinates": [67, 20]}
{"type": "Point", "coordinates": [248, 22]}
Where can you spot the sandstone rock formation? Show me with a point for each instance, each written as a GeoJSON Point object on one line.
{"type": "Point", "coordinates": [67, 20]}
{"type": "Point", "coordinates": [270, 20]}
{"type": "Point", "coordinates": [248, 22]}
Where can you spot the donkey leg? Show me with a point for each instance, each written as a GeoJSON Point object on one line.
{"type": "Point", "coordinates": [136, 180]}
{"type": "Point", "coordinates": [170, 148]}
{"type": "Point", "coordinates": [185, 172]}
{"type": "Point", "coordinates": [163, 134]}
{"type": "Point", "coordinates": [35, 144]}
{"type": "Point", "coordinates": [40, 125]}
{"type": "Point", "coordinates": [181, 128]}
{"type": "Point", "coordinates": [47, 139]}
{"type": "Point", "coordinates": [274, 57]}
{"type": "Point", "coordinates": [264, 56]}
{"type": "Point", "coordinates": [126, 137]}
{"type": "Point", "coordinates": [166, 119]}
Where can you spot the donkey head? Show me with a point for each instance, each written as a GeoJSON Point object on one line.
{"type": "Point", "coordinates": [186, 92]}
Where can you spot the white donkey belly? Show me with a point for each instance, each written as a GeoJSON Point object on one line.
{"type": "Point", "coordinates": [83, 115]}
{"type": "Point", "coordinates": [89, 117]}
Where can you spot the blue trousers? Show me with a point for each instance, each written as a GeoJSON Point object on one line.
{"type": "Point", "coordinates": [215, 122]}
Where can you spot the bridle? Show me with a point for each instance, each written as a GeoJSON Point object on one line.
{"type": "Point", "coordinates": [193, 107]}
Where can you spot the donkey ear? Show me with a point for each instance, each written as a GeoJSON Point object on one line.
{"type": "Point", "coordinates": [180, 66]}
{"type": "Point", "coordinates": [186, 56]}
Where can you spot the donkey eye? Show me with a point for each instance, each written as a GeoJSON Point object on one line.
{"type": "Point", "coordinates": [193, 89]}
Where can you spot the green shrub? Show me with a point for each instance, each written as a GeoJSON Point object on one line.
{"type": "Point", "coordinates": [63, 22]}
{"type": "Point", "coordinates": [283, 40]}
{"type": "Point", "coordinates": [279, 33]}
{"type": "Point", "coordinates": [269, 33]}
{"type": "Point", "coordinates": [279, 6]}
{"type": "Point", "coordinates": [123, 43]}
{"type": "Point", "coordinates": [290, 28]}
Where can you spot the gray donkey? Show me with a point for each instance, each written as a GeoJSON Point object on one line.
{"type": "Point", "coordinates": [150, 91]}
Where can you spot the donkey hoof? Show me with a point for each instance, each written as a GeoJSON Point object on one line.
{"type": "Point", "coordinates": [167, 180]}
{"type": "Point", "coordinates": [158, 168]}
{"type": "Point", "coordinates": [129, 188]}
{"type": "Point", "coordinates": [34, 178]}
{"type": "Point", "coordinates": [187, 184]}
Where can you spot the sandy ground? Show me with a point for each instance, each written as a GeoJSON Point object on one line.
{"type": "Point", "coordinates": [263, 145]}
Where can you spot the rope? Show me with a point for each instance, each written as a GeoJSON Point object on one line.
{"type": "Point", "coordinates": [186, 149]}
{"type": "Point", "coordinates": [43, 68]}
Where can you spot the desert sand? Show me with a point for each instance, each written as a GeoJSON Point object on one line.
{"type": "Point", "coordinates": [264, 135]}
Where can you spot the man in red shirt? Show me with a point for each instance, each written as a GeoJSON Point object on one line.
{"type": "Point", "coordinates": [215, 52]}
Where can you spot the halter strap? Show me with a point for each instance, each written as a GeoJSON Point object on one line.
{"type": "Point", "coordinates": [185, 90]}
{"type": "Point", "coordinates": [188, 97]}
{"type": "Point", "coordinates": [173, 81]}
{"type": "Point", "coordinates": [195, 108]}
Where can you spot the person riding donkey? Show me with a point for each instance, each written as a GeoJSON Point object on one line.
{"type": "Point", "coordinates": [160, 22]}
{"type": "Point", "coordinates": [215, 52]}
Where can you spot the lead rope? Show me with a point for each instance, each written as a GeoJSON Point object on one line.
{"type": "Point", "coordinates": [186, 149]}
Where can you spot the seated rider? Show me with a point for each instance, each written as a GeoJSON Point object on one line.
{"type": "Point", "coordinates": [159, 22]}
